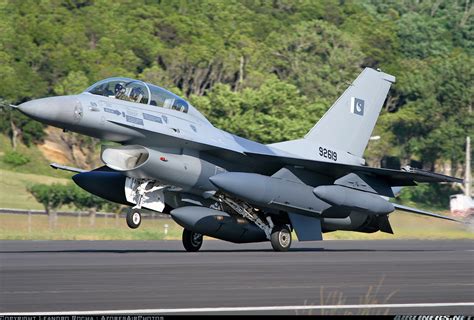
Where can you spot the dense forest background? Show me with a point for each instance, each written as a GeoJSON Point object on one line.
{"type": "Point", "coordinates": [263, 69]}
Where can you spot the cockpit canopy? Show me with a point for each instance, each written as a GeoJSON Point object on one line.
{"type": "Point", "coordinates": [139, 92]}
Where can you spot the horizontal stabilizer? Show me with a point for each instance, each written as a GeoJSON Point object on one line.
{"type": "Point", "coordinates": [422, 212]}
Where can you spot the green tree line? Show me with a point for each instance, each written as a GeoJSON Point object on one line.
{"type": "Point", "coordinates": [266, 70]}
{"type": "Point", "coordinates": [56, 195]}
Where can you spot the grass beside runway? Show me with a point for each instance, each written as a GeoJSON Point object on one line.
{"type": "Point", "coordinates": [411, 226]}
{"type": "Point", "coordinates": [13, 187]}
{"type": "Point", "coordinates": [18, 227]}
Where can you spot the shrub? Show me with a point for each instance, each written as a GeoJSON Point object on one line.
{"type": "Point", "coordinates": [15, 158]}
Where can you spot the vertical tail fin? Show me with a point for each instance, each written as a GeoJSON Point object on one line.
{"type": "Point", "coordinates": [348, 124]}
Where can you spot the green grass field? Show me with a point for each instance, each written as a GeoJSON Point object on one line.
{"type": "Point", "coordinates": [13, 193]}
{"type": "Point", "coordinates": [411, 226]}
{"type": "Point", "coordinates": [16, 227]}
{"type": "Point", "coordinates": [15, 179]}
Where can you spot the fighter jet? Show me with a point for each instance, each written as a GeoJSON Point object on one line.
{"type": "Point", "coordinates": [167, 157]}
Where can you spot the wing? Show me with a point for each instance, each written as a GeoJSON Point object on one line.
{"type": "Point", "coordinates": [337, 170]}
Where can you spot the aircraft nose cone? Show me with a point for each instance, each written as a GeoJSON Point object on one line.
{"type": "Point", "coordinates": [29, 108]}
{"type": "Point", "coordinates": [57, 111]}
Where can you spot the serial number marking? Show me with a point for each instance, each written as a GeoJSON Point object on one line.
{"type": "Point", "coordinates": [327, 153]}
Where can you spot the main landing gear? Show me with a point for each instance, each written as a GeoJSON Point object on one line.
{"type": "Point", "coordinates": [281, 238]}
{"type": "Point", "coordinates": [279, 235]}
{"type": "Point", "coordinates": [192, 241]}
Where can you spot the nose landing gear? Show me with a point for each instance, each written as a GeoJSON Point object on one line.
{"type": "Point", "coordinates": [134, 218]}
{"type": "Point", "coordinates": [144, 193]}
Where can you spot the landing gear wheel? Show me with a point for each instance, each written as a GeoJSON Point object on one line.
{"type": "Point", "coordinates": [281, 238]}
{"type": "Point", "coordinates": [192, 241]}
{"type": "Point", "coordinates": [134, 218]}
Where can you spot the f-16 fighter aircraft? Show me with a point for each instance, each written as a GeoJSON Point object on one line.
{"type": "Point", "coordinates": [168, 157]}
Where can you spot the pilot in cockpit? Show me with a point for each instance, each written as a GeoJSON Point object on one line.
{"type": "Point", "coordinates": [180, 106]}
{"type": "Point", "coordinates": [120, 91]}
{"type": "Point", "coordinates": [136, 95]}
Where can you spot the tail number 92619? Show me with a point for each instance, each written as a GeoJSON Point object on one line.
{"type": "Point", "coordinates": [329, 154]}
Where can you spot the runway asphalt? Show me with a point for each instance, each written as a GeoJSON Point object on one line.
{"type": "Point", "coordinates": [408, 277]}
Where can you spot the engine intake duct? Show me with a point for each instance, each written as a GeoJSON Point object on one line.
{"type": "Point", "coordinates": [169, 166]}
{"type": "Point", "coordinates": [126, 158]}
{"type": "Point", "coordinates": [217, 224]}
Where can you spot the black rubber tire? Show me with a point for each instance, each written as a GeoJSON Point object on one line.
{"type": "Point", "coordinates": [192, 241]}
{"type": "Point", "coordinates": [281, 238]}
{"type": "Point", "coordinates": [134, 218]}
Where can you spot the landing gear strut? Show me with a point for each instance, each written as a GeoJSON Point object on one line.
{"type": "Point", "coordinates": [279, 235]}
{"type": "Point", "coordinates": [192, 241]}
{"type": "Point", "coordinates": [134, 218]}
{"type": "Point", "coordinates": [142, 190]}
{"type": "Point", "coordinates": [281, 238]}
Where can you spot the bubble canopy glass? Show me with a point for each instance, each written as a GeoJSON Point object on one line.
{"type": "Point", "coordinates": [139, 92]}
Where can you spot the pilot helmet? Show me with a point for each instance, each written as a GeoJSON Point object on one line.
{"type": "Point", "coordinates": [136, 94]}
{"type": "Point", "coordinates": [119, 88]}
{"type": "Point", "coordinates": [180, 105]}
